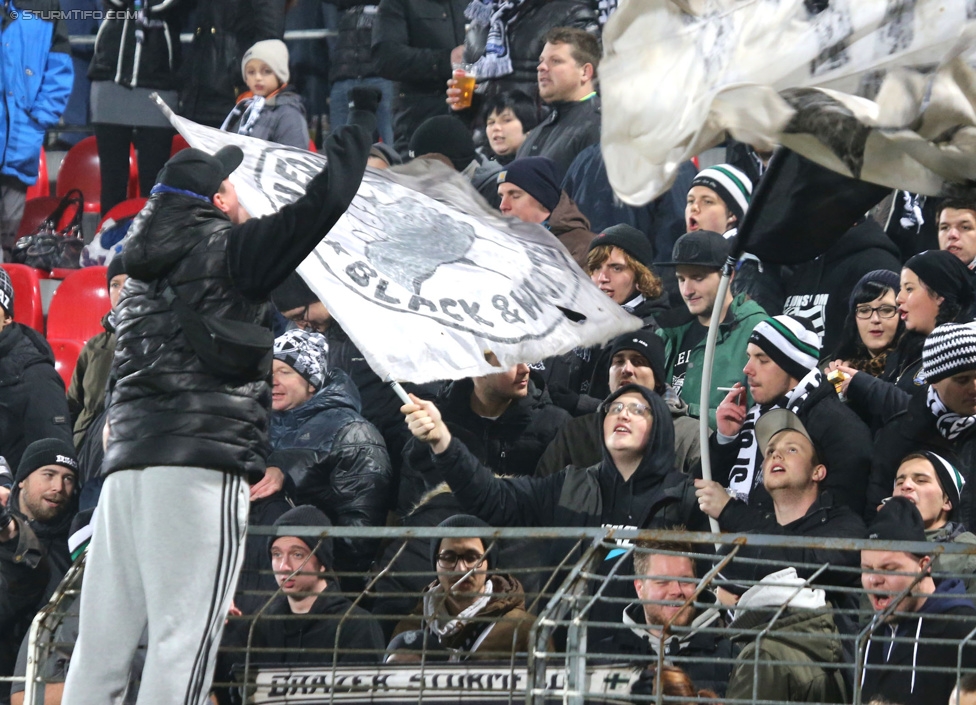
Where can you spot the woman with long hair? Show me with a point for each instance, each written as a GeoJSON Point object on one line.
{"type": "Point", "coordinates": [873, 327]}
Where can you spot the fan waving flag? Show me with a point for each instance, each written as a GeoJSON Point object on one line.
{"type": "Point", "coordinates": [874, 89]}
{"type": "Point", "coordinates": [422, 274]}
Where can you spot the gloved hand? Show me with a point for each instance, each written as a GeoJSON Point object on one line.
{"type": "Point", "coordinates": [564, 398]}
{"type": "Point", "coordinates": [5, 517]}
{"type": "Point", "coordinates": [365, 98]}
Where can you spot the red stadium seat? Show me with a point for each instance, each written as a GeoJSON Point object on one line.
{"type": "Point", "coordinates": [36, 211]}
{"type": "Point", "coordinates": [43, 185]}
{"type": "Point", "coordinates": [28, 308]}
{"type": "Point", "coordinates": [78, 305]}
{"type": "Point", "coordinates": [126, 209]}
{"type": "Point", "coordinates": [65, 357]}
{"type": "Point", "coordinates": [80, 169]}
{"type": "Point", "coordinates": [179, 142]}
{"type": "Point", "coordinates": [311, 145]}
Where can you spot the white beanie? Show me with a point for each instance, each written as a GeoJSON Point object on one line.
{"type": "Point", "coordinates": [274, 53]}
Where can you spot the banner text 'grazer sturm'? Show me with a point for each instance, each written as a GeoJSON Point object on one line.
{"type": "Point", "coordinates": [422, 275]}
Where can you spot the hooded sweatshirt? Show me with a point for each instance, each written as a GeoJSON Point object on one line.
{"type": "Point", "coordinates": [947, 614]}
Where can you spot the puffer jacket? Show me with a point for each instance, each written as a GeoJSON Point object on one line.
{"type": "Point", "coordinates": [336, 460]}
{"type": "Point", "coordinates": [282, 118]}
{"type": "Point", "coordinates": [32, 401]}
{"type": "Point", "coordinates": [36, 77]}
{"type": "Point", "coordinates": [803, 639]}
{"type": "Point", "coordinates": [86, 393]}
{"type": "Point", "coordinates": [500, 628]}
{"type": "Point", "coordinates": [509, 445]}
{"type": "Point", "coordinates": [121, 57]}
{"type": "Point", "coordinates": [167, 408]}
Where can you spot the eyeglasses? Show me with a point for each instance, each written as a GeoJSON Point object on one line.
{"type": "Point", "coordinates": [633, 408]}
{"type": "Point", "coordinates": [883, 311]}
{"type": "Point", "coordinates": [469, 558]}
{"type": "Point", "coordinates": [302, 320]}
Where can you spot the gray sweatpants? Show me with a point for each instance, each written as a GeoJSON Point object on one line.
{"type": "Point", "coordinates": [167, 548]}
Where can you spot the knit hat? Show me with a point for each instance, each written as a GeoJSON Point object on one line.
{"type": "Point", "coordinates": [949, 350]}
{"type": "Point", "coordinates": [274, 53]}
{"type": "Point", "coordinates": [629, 239]}
{"type": "Point", "coordinates": [47, 451]}
{"type": "Point", "coordinates": [648, 344]}
{"type": "Point", "coordinates": [946, 275]}
{"type": "Point", "coordinates": [80, 532]}
{"type": "Point", "coordinates": [701, 248]}
{"type": "Point", "coordinates": [307, 515]}
{"type": "Point", "coordinates": [883, 277]}
{"type": "Point", "coordinates": [6, 293]}
{"type": "Point", "coordinates": [897, 520]}
{"type": "Point", "coordinates": [200, 173]}
{"type": "Point", "coordinates": [789, 342]}
{"type": "Point", "coordinates": [459, 520]}
{"type": "Point", "coordinates": [731, 185]}
{"type": "Point", "coordinates": [444, 134]}
{"type": "Point", "coordinates": [537, 177]}
{"type": "Point", "coordinates": [950, 478]}
{"type": "Point", "coordinates": [304, 351]}
{"type": "Point", "coordinates": [293, 293]}
{"type": "Point", "coordinates": [115, 268]}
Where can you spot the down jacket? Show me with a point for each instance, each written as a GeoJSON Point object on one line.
{"type": "Point", "coordinates": [509, 445]}
{"type": "Point", "coordinates": [167, 408]}
{"type": "Point", "coordinates": [336, 460]}
{"type": "Point", "coordinates": [121, 57]}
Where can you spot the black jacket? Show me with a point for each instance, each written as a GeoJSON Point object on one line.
{"type": "Point", "coordinates": [211, 77]}
{"type": "Point", "coordinates": [948, 614]}
{"type": "Point", "coordinates": [313, 638]}
{"type": "Point", "coordinates": [335, 460]}
{"type": "Point", "coordinates": [122, 58]}
{"type": "Point", "coordinates": [31, 566]}
{"type": "Point", "coordinates": [509, 445]}
{"type": "Point", "coordinates": [352, 56]}
{"type": "Point", "coordinates": [823, 519]}
{"type": "Point", "coordinates": [412, 43]}
{"type": "Point", "coordinates": [256, 583]}
{"type": "Point", "coordinates": [166, 408]}
{"type": "Point", "coordinates": [838, 432]}
{"type": "Point", "coordinates": [909, 427]}
{"type": "Point", "coordinates": [570, 128]}
{"type": "Point", "coordinates": [32, 401]}
{"type": "Point", "coordinates": [819, 290]}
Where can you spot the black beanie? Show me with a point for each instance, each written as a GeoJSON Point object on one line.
{"type": "Point", "coordinates": [897, 520]}
{"type": "Point", "coordinates": [445, 135]}
{"type": "Point", "coordinates": [537, 177]}
{"type": "Point", "coordinates": [460, 520]}
{"type": "Point", "coordinates": [307, 515]}
{"type": "Point", "coordinates": [629, 239]}
{"type": "Point", "coordinates": [6, 293]}
{"type": "Point", "coordinates": [200, 173]}
{"type": "Point", "coordinates": [293, 293]}
{"type": "Point", "coordinates": [115, 268]}
{"type": "Point", "coordinates": [47, 451]}
{"type": "Point", "coordinates": [648, 344]}
{"type": "Point", "coordinates": [946, 275]}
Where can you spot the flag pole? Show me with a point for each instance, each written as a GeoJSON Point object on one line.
{"type": "Point", "coordinates": [400, 391]}
{"type": "Point", "coordinates": [706, 380]}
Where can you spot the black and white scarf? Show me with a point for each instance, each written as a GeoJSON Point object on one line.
{"type": "Point", "coordinates": [498, 16]}
{"type": "Point", "coordinates": [950, 425]}
{"type": "Point", "coordinates": [747, 471]}
{"type": "Point", "coordinates": [248, 110]}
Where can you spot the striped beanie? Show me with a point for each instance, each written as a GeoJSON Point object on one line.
{"type": "Point", "coordinates": [731, 185]}
{"type": "Point", "coordinates": [950, 478]}
{"type": "Point", "coordinates": [949, 350]}
{"type": "Point", "coordinates": [789, 343]}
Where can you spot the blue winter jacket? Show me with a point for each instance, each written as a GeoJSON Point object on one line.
{"type": "Point", "coordinates": [36, 76]}
{"type": "Point", "coordinates": [336, 460]}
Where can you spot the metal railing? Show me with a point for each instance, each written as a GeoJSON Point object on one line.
{"type": "Point", "coordinates": [578, 583]}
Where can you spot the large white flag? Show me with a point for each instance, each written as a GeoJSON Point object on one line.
{"type": "Point", "coordinates": [422, 274]}
{"type": "Point", "coordinates": [678, 75]}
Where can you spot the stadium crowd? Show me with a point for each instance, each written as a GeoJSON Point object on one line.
{"type": "Point", "coordinates": [842, 401]}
